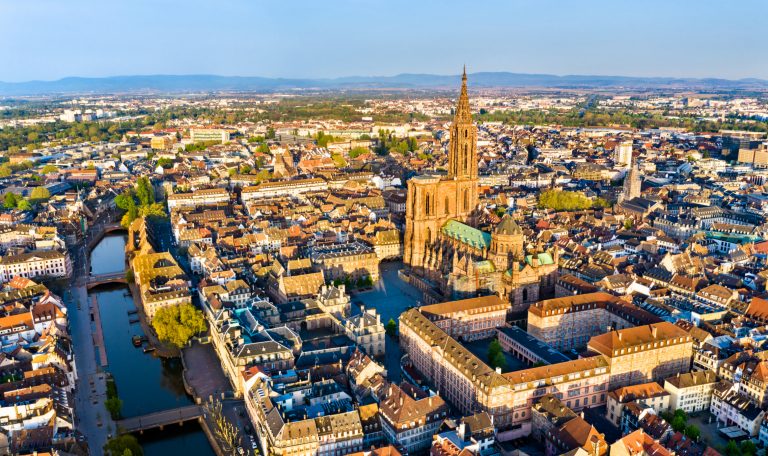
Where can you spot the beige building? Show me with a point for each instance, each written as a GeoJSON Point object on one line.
{"type": "Point", "coordinates": [470, 385]}
{"type": "Point", "coordinates": [161, 282]}
{"type": "Point", "coordinates": [206, 197]}
{"type": "Point", "coordinates": [354, 261]}
{"type": "Point", "coordinates": [569, 322]}
{"type": "Point", "coordinates": [41, 263]}
{"type": "Point", "coordinates": [411, 421]}
{"type": "Point", "coordinates": [468, 319]}
{"type": "Point", "coordinates": [644, 353]}
{"type": "Point", "coordinates": [645, 395]}
{"type": "Point", "coordinates": [692, 391]}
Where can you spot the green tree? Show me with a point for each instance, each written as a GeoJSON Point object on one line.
{"type": "Point", "coordinates": [154, 210]}
{"type": "Point", "coordinates": [748, 448]}
{"type": "Point", "coordinates": [270, 133]}
{"type": "Point", "coordinates": [496, 356]}
{"type": "Point", "coordinates": [40, 194]}
{"type": "Point", "coordinates": [358, 151]}
{"type": "Point", "coordinates": [123, 445]}
{"type": "Point", "coordinates": [391, 327]}
{"type": "Point", "coordinates": [165, 163]}
{"type": "Point", "coordinates": [23, 205]}
{"type": "Point", "coordinates": [5, 170]}
{"type": "Point", "coordinates": [678, 423]}
{"type": "Point", "coordinates": [114, 405]}
{"type": "Point", "coordinates": [692, 432]}
{"type": "Point", "coordinates": [144, 191]}
{"type": "Point", "coordinates": [10, 201]}
{"type": "Point", "coordinates": [49, 169]}
{"type": "Point", "coordinates": [732, 449]}
{"type": "Point", "coordinates": [177, 324]}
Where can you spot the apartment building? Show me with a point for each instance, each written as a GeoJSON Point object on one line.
{"type": "Point", "coordinates": [644, 353]}
{"type": "Point", "coordinates": [209, 134]}
{"type": "Point", "coordinates": [411, 421]}
{"type": "Point", "coordinates": [568, 322]}
{"type": "Point", "coordinates": [294, 188]}
{"type": "Point", "coordinates": [161, 282]}
{"type": "Point", "coordinates": [353, 260]}
{"type": "Point", "coordinates": [40, 263]}
{"type": "Point", "coordinates": [468, 319]}
{"type": "Point", "coordinates": [692, 391]}
{"type": "Point", "coordinates": [732, 408]}
{"type": "Point", "coordinates": [205, 197]}
{"type": "Point", "coordinates": [645, 395]}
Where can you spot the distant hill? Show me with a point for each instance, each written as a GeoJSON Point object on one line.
{"type": "Point", "coordinates": [212, 83]}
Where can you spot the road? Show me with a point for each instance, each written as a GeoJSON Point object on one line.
{"type": "Point", "coordinates": [91, 418]}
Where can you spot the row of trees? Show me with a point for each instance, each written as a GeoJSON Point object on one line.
{"type": "Point", "coordinates": [601, 118]}
{"type": "Point", "coordinates": [563, 200]}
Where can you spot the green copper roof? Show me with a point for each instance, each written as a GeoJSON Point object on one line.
{"type": "Point", "coordinates": [734, 238]}
{"type": "Point", "coordinates": [466, 234]}
{"type": "Point", "coordinates": [544, 258]}
{"type": "Point", "coordinates": [484, 267]}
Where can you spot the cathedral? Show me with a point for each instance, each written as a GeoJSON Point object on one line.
{"type": "Point", "coordinates": [447, 252]}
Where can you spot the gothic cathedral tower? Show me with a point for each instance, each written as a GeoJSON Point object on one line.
{"type": "Point", "coordinates": [433, 200]}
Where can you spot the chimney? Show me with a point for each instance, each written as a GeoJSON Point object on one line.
{"type": "Point", "coordinates": [654, 331]}
{"type": "Point", "coordinates": [498, 370]}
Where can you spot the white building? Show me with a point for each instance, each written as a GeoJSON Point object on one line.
{"type": "Point", "coordinates": [45, 263]}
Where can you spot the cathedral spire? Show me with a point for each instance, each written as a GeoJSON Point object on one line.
{"type": "Point", "coordinates": [462, 108]}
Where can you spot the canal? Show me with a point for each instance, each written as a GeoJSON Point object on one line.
{"type": "Point", "coordinates": [145, 383]}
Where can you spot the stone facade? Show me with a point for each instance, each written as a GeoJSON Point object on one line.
{"type": "Point", "coordinates": [644, 353]}
{"type": "Point", "coordinates": [441, 244]}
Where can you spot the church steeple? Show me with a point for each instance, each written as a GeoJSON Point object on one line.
{"type": "Point", "coordinates": [462, 153]}
{"type": "Point", "coordinates": [463, 113]}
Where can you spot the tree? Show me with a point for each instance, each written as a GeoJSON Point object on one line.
{"type": "Point", "coordinates": [165, 162]}
{"type": "Point", "coordinates": [23, 205]}
{"type": "Point", "coordinates": [678, 423]}
{"type": "Point", "coordinates": [270, 133]}
{"type": "Point", "coordinates": [391, 327]}
{"type": "Point", "coordinates": [358, 151]}
{"type": "Point", "coordinates": [223, 429]}
{"type": "Point", "coordinates": [114, 405]}
{"type": "Point", "coordinates": [178, 323]}
{"type": "Point", "coordinates": [496, 356]}
{"type": "Point", "coordinates": [732, 449]}
{"type": "Point", "coordinates": [5, 170]}
{"type": "Point", "coordinates": [748, 448]}
{"type": "Point", "coordinates": [10, 201]}
{"type": "Point", "coordinates": [49, 169]}
{"type": "Point", "coordinates": [692, 432]}
{"type": "Point", "coordinates": [40, 194]}
{"type": "Point", "coordinates": [123, 445]}
{"type": "Point", "coordinates": [144, 191]}
{"type": "Point", "coordinates": [154, 210]}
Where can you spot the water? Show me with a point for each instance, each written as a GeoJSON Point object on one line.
{"type": "Point", "coordinates": [109, 254]}
{"type": "Point", "coordinates": [145, 383]}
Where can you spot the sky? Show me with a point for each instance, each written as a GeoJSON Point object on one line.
{"type": "Point", "coordinates": [52, 39]}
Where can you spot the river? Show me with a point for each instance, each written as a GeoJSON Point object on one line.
{"type": "Point", "coordinates": [145, 383]}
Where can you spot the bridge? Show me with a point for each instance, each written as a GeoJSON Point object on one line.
{"type": "Point", "coordinates": [97, 233]}
{"type": "Point", "coordinates": [94, 280]}
{"type": "Point", "coordinates": [159, 419]}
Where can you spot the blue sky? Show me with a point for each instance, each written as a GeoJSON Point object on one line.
{"type": "Point", "coordinates": [50, 39]}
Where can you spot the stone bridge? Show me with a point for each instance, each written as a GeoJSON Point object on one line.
{"type": "Point", "coordinates": [160, 419]}
{"type": "Point", "coordinates": [94, 280]}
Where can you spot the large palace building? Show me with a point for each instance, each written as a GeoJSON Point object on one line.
{"type": "Point", "coordinates": [447, 252]}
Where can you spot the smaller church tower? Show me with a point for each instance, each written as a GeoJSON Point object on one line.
{"type": "Point", "coordinates": [507, 242]}
{"type": "Point", "coordinates": [632, 184]}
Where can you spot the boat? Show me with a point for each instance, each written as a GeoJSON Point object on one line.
{"type": "Point", "coordinates": [133, 312]}
{"type": "Point", "coordinates": [149, 349]}
{"type": "Point", "coordinates": [136, 341]}
{"type": "Point", "coordinates": [133, 320]}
